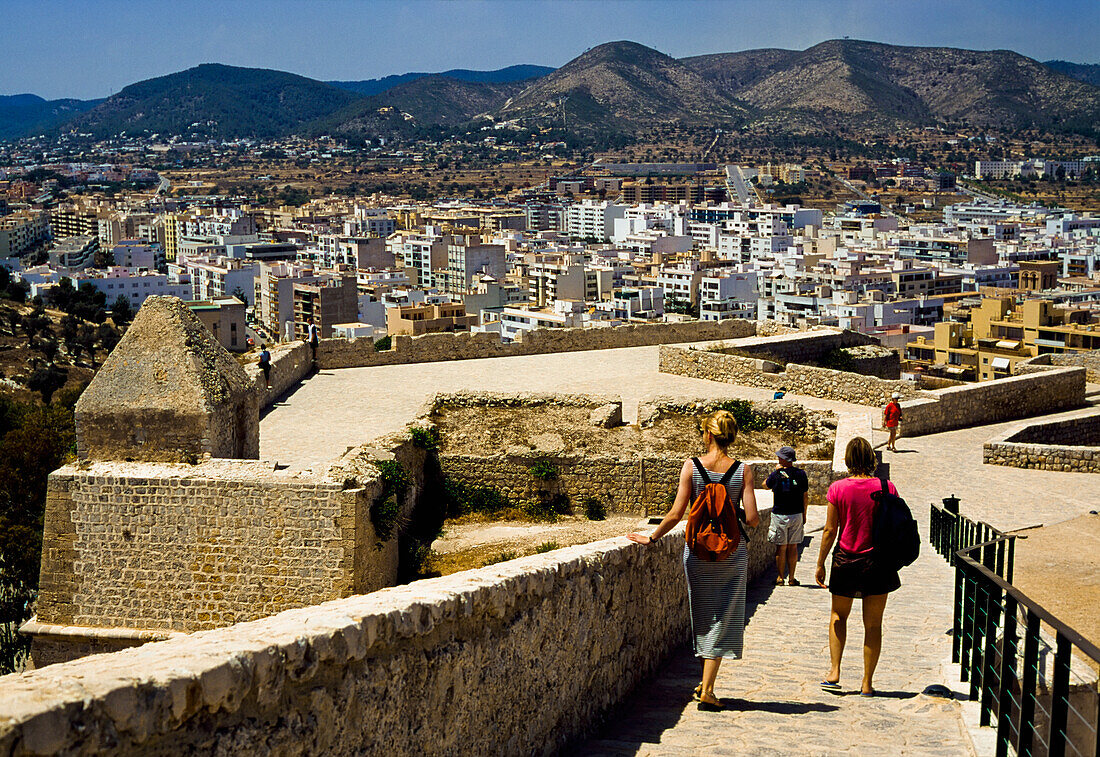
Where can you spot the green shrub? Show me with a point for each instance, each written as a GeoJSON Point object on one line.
{"type": "Point", "coordinates": [383, 344]}
{"type": "Point", "coordinates": [463, 499]}
{"type": "Point", "coordinates": [425, 438]}
{"type": "Point", "coordinates": [745, 414]}
{"type": "Point", "coordinates": [594, 509]}
{"type": "Point", "coordinates": [838, 359]}
{"type": "Point", "coordinates": [502, 557]}
{"type": "Point", "coordinates": [543, 470]}
{"type": "Point", "coordinates": [547, 546]}
{"type": "Point", "coordinates": [548, 507]}
{"type": "Point", "coordinates": [386, 508]}
{"type": "Point", "coordinates": [383, 515]}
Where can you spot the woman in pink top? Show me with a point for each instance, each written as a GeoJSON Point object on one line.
{"type": "Point", "coordinates": [855, 571]}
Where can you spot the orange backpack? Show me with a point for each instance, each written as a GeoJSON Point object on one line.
{"type": "Point", "coordinates": [713, 526]}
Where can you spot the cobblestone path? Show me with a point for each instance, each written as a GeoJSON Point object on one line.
{"type": "Point", "coordinates": [777, 708]}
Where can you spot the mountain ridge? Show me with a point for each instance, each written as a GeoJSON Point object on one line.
{"type": "Point", "coordinates": [520, 72]}
{"type": "Point", "coordinates": [228, 101]}
{"type": "Point", "coordinates": [622, 88]}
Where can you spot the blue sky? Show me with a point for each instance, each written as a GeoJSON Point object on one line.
{"type": "Point", "coordinates": [81, 48]}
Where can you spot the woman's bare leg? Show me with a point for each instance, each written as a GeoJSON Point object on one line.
{"type": "Point", "coordinates": [873, 607]}
{"type": "Point", "coordinates": [838, 634]}
{"type": "Point", "coordinates": [710, 674]}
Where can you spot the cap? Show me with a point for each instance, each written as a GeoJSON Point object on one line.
{"type": "Point", "coordinates": [895, 396]}
{"type": "Point", "coordinates": [785, 453]}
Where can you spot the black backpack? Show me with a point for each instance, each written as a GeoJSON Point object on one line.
{"type": "Point", "coordinates": [894, 531]}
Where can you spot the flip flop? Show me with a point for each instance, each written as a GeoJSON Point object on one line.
{"type": "Point", "coordinates": [830, 685]}
{"type": "Point", "coordinates": [865, 694]}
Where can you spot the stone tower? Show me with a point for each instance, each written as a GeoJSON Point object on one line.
{"type": "Point", "coordinates": [168, 393]}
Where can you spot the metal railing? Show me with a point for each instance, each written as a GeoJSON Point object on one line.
{"type": "Point", "coordinates": [1002, 640]}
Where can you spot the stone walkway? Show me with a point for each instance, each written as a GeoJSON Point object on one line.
{"type": "Point", "coordinates": [777, 708]}
{"type": "Point", "coordinates": [338, 409]}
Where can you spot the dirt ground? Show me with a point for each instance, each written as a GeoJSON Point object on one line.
{"type": "Point", "coordinates": [1059, 567]}
{"type": "Point", "coordinates": [555, 429]}
{"type": "Point", "coordinates": [475, 544]}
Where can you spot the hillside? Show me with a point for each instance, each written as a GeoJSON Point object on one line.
{"type": "Point", "coordinates": [622, 86]}
{"type": "Point", "coordinates": [26, 115]}
{"type": "Point", "coordinates": [428, 101]}
{"type": "Point", "coordinates": [1089, 73]}
{"type": "Point", "coordinates": [368, 87]}
{"type": "Point", "coordinates": [225, 101]}
{"type": "Point", "coordinates": [852, 82]}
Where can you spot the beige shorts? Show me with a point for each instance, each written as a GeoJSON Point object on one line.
{"type": "Point", "coordinates": [785, 529]}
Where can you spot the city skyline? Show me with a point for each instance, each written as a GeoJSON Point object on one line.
{"type": "Point", "coordinates": [364, 40]}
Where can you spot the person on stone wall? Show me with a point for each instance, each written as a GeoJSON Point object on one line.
{"type": "Point", "coordinates": [855, 570]}
{"type": "Point", "coordinates": [891, 419]}
{"type": "Point", "coordinates": [716, 590]}
{"type": "Point", "coordinates": [313, 336]}
{"type": "Point", "coordinates": [790, 495]}
{"type": "Point", "coordinates": [265, 364]}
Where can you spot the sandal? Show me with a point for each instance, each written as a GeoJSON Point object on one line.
{"type": "Point", "coordinates": [697, 695]}
{"type": "Point", "coordinates": [706, 706]}
{"type": "Point", "coordinates": [779, 581]}
{"type": "Point", "coordinates": [829, 685]}
{"type": "Point", "coordinates": [793, 582]}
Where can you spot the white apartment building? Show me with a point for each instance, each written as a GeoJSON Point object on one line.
{"type": "Point", "coordinates": [1001, 169]}
{"type": "Point", "coordinates": [135, 285]}
{"type": "Point", "coordinates": [218, 276]}
{"type": "Point", "coordinates": [728, 293]}
{"type": "Point", "coordinates": [517, 321]}
{"type": "Point", "coordinates": [680, 282]}
{"type": "Point", "coordinates": [137, 253]}
{"type": "Point", "coordinates": [638, 303]}
{"type": "Point", "coordinates": [74, 252]}
{"type": "Point", "coordinates": [418, 254]}
{"type": "Point", "coordinates": [568, 279]}
{"type": "Point", "coordinates": [877, 311]}
{"type": "Point", "coordinates": [592, 219]}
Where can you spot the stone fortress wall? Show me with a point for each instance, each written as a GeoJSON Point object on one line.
{"type": "Point", "coordinates": [292, 362]}
{"type": "Point", "coordinates": [1043, 390]}
{"type": "Point", "coordinates": [1072, 444]}
{"type": "Point", "coordinates": [163, 548]}
{"type": "Point", "coordinates": [1089, 360]}
{"type": "Point", "coordinates": [636, 484]}
{"type": "Point", "coordinates": [429, 668]}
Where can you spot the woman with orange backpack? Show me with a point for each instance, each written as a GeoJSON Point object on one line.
{"type": "Point", "coordinates": [715, 558]}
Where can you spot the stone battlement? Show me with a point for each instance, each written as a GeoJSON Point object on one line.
{"type": "Point", "coordinates": [428, 668]}
{"type": "Point", "coordinates": [161, 547]}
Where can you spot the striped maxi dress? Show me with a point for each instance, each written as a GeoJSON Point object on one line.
{"type": "Point", "coordinates": [716, 590]}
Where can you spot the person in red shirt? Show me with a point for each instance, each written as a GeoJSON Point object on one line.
{"type": "Point", "coordinates": [891, 419]}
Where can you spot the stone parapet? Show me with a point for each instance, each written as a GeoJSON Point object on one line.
{"type": "Point", "coordinates": [1046, 390]}
{"type": "Point", "coordinates": [486, 661]}
{"type": "Point", "coordinates": [430, 348]}
{"type": "Point", "coordinates": [842, 386]}
{"type": "Point", "coordinates": [1089, 360]}
{"type": "Point", "coordinates": [987, 402]}
{"type": "Point", "coordinates": [1072, 444]}
{"type": "Point", "coordinates": [290, 363]}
